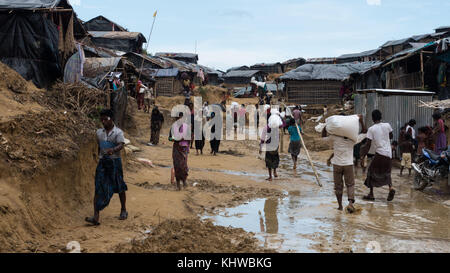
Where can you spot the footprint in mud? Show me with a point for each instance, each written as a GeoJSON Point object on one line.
{"type": "Point", "coordinates": [157, 186]}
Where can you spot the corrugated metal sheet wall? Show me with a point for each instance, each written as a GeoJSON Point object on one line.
{"type": "Point", "coordinates": [397, 110]}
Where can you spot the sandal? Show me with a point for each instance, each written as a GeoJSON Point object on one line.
{"type": "Point", "coordinates": [369, 198]}
{"type": "Point", "coordinates": [92, 221]}
{"type": "Point", "coordinates": [123, 215]}
{"type": "Point", "coordinates": [350, 209]}
{"type": "Point", "coordinates": [391, 195]}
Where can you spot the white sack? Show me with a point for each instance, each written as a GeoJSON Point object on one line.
{"type": "Point", "coordinates": [344, 126]}
{"type": "Point", "coordinates": [319, 128]}
{"type": "Point", "coordinates": [275, 121]}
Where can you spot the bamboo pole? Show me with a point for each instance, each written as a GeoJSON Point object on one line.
{"type": "Point", "coordinates": [422, 70]}
{"type": "Point", "coordinates": [308, 156]}
{"type": "Point", "coordinates": [282, 141]}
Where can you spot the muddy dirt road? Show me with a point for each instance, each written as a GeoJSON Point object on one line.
{"type": "Point", "coordinates": [291, 214]}
{"type": "Point", "coordinates": [307, 220]}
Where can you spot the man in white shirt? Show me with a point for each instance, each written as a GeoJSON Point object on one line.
{"type": "Point", "coordinates": [342, 160]}
{"type": "Point", "coordinates": [379, 174]}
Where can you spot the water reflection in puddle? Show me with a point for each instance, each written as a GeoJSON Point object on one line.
{"type": "Point", "coordinates": [307, 220]}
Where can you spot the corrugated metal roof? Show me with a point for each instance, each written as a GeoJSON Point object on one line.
{"type": "Point", "coordinates": [357, 55]}
{"type": "Point", "coordinates": [28, 4]}
{"type": "Point", "coordinates": [337, 72]}
{"type": "Point", "coordinates": [181, 55]}
{"type": "Point", "coordinates": [241, 73]}
{"type": "Point", "coordinates": [397, 42]}
{"type": "Point", "coordinates": [397, 92]}
{"type": "Point", "coordinates": [420, 37]}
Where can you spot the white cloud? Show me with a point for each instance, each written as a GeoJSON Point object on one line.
{"type": "Point", "coordinates": [75, 2]}
{"type": "Point", "coordinates": [373, 2]}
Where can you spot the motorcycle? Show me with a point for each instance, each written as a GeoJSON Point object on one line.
{"type": "Point", "coordinates": [431, 167]}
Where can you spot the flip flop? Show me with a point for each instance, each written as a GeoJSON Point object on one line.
{"type": "Point", "coordinates": [92, 221]}
{"type": "Point", "coordinates": [350, 209]}
{"type": "Point", "coordinates": [123, 215]}
{"type": "Point", "coordinates": [369, 198]}
{"type": "Point", "coordinates": [391, 195]}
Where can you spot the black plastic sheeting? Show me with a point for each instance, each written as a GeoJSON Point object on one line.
{"type": "Point", "coordinates": [119, 103]}
{"type": "Point", "coordinates": [101, 23]}
{"type": "Point", "coordinates": [29, 45]}
{"type": "Point", "coordinates": [125, 45]}
{"type": "Point", "coordinates": [28, 4]}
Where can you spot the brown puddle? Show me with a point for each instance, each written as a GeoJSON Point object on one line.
{"type": "Point", "coordinates": [307, 220]}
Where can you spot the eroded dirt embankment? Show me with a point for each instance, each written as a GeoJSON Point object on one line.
{"type": "Point", "coordinates": [47, 162]}
{"type": "Point", "coordinates": [32, 206]}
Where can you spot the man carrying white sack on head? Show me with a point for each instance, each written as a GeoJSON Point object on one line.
{"type": "Point", "coordinates": [344, 131]}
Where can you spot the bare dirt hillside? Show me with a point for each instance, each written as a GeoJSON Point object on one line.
{"type": "Point", "coordinates": [46, 152]}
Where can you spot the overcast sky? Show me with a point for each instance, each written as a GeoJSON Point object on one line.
{"type": "Point", "coordinates": [244, 32]}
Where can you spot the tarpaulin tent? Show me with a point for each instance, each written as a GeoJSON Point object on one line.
{"type": "Point", "coordinates": [37, 37]}
{"type": "Point", "coordinates": [320, 83]}
{"type": "Point", "coordinates": [118, 40]}
{"type": "Point", "coordinates": [101, 23]}
{"type": "Point", "coordinates": [28, 4]}
{"type": "Point", "coordinates": [29, 45]}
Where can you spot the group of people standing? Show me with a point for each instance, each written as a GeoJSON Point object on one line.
{"type": "Point", "coordinates": [412, 144]}
{"type": "Point", "coordinates": [145, 96]}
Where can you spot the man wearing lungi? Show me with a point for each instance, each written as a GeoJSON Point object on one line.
{"type": "Point", "coordinates": [109, 173]}
{"type": "Point", "coordinates": [379, 173]}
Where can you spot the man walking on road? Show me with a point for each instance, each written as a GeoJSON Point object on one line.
{"type": "Point", "coordinates": [342, 160]}
{"type": "Point", "coordinates": [379, 173]}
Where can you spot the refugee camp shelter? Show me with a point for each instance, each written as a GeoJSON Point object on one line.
{"type": "Point", "coordinates": [410, 69]}
{"type": "Point", "coordinates": [292, 64]}
{"type": "Point", "coordinates": [397, 106]}
{"type": "Point", "coordinates": [244, 67]}
{"type": "Point", "coordinates": [184, 57]}
{"type": "Point", "coordinates": [243, 78]}
{"type": "Point", "coordinates": [270, 68]}
{"type": "Point", "coordinates": [326, 60]}
{"type": "Point", "coordinates": [320, 83]}
{"type": "Point", "coordinates": [366, 56]}
{"type": "Point", "coordinates": [101, 23]}
{"type": "Point", "coordinates": [211, 74]}
{"type": "Point", "coordinates": [37, 37]}
{"type": "Point", "coordinates": [396, 46]}
{"type": "Point", "coordinates": [168, 83]}
{"type": "Point", "coordinates": [443, 29]}
{"type": "Point", "coordinates": [118, 40]}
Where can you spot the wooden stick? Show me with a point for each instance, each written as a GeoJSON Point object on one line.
{"type": "Point", "coordinates": [309, 157]}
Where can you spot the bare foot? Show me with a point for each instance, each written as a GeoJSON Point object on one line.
{"type": "Point", "coordinates": [269, 179]}
{"type": "Point", "coordinates": [340, 208]}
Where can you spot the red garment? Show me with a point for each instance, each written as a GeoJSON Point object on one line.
{"type": "Point", "coordinates": [140, 101]}
{"type": "Point", "coordinates": [442, 126]}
